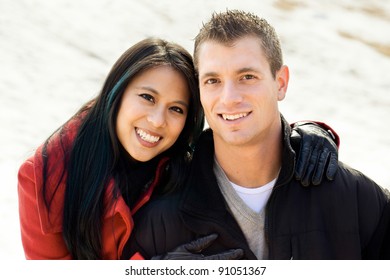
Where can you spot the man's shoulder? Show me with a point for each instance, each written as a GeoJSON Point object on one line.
{"type": "Point", "coordinates": [349, 183]}
{"type": "Point", "coordinates": [352, 175]}
{"type": "Point", "coordinates": [350, 179]}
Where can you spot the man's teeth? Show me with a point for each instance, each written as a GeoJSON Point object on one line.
{"type": "Point", "coordinates": [233, 117]}
{"type": "Point", "coordinates": [147, 137]}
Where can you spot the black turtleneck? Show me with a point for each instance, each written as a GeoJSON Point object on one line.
{"type": "Point", "coordinates": [134, 177]}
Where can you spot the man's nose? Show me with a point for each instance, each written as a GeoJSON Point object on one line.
{"type": "Point", "coordinates": [230, 94]}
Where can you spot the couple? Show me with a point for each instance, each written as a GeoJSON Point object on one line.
{"type": "Point", "coordinates": [232, 191]}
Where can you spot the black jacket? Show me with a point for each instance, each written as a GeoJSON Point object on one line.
{"type": "Point", "coordinates": [347, 218]}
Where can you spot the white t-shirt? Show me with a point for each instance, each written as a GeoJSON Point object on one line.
{"type": "Point", "coordinates": [247, 207]}
{"type": "Point", "coordinates": [255, 198]}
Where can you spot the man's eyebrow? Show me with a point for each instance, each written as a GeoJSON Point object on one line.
{"type": "Point", "coordinates": [248, 69]}
{"type": "Point", "coordinates": [239, 71]}
{"type": "Point", "coordinates": [208, 74]}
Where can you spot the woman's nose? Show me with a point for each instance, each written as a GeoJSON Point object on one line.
{"type": "Point", "coordinates": [157, 118]}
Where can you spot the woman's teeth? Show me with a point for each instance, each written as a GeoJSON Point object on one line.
{"type": "Point", "coordinates": [146, 136]}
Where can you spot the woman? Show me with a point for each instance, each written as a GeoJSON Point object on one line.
{"type": "Point", "coordinates": [78, 192]}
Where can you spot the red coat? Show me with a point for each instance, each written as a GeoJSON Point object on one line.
{"type": "Point", "coordinates": [42, 234]}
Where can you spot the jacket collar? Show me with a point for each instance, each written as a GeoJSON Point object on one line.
{"type": "Point", "coordinates": [202, 192]}
{"type": "Point", "coordinates": [202, 195]}
{"type": "Point", "coordinates": [51, 221]}
{"type": "Point", "coordinates": [203, 207]}
{"type": "Point", "coordinates": [288, 156]}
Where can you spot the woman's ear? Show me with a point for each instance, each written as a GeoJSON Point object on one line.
{"type": "Point", "coordinates": [282, 78]}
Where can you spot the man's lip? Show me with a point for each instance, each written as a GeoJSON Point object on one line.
{"type": "Point", "coordinates": [234, 116]}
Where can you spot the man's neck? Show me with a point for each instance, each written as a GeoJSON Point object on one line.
{"type": "Point", "coordinates": [252, 165]}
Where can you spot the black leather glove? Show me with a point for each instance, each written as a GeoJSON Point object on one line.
{"type": "Point", "coordinates": [192, 251]}
{"type": "Point", "coordinates": [317, 153]}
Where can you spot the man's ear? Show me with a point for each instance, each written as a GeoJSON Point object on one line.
{"type": "Point", "coordinates": [282, 78]}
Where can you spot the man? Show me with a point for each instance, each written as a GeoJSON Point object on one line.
{"type": "Point", "coordinates": [241, 186]}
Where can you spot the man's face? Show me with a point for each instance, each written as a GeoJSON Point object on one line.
{"type": "Point", "coordinates": [238, 92]}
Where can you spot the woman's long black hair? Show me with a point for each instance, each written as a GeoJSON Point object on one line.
{"type": "Point", "coordinates": [97, 156]}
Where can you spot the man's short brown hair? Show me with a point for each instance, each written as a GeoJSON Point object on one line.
{"type": "Point", "coordinates": [227, 27]}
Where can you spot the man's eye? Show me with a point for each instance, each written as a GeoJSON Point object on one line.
{"type": "Point", "coordinates": [248, 77]}
{"type": "Point", "coordinates": [177, 110]}
{"type": "Point", "coordinates": [211, 81]}
{"type": "Point", "coordinates": [147, 97]}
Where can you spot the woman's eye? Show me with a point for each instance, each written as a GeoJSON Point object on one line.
{"type": "Point", "coordinates": [147, 97]}
{"type": "Point", "coordinates": [177, 110]}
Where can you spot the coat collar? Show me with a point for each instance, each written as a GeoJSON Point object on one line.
{"type": "Point", "coordinates": [203, 206]}
{"type": "Point", "coordinates": [202, 195]}
{"type": "Point", "coordinates": [288, 156]}
{"type": "Point", "coordinates": [51, 220]}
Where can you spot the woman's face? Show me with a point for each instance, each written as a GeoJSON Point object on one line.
{"type": "Point", "coordinates": [152, 112]}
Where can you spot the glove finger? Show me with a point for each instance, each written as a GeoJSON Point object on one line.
{"type": "Point", "coordinates": [303, 158]}
{"type": "Point", "coordinates": [200, 244]}
{"type": "Point", "coordinates": [332, 167]}
{"type": "Point", "coordinates": [234, 254]}
{"type": "Point", "coordinates": [313, 163]}
{"type": "Point", "coordinates": [306, 180]}
{"type": "Point", "coordinates": [295, 140]}
{"type": "Point", "coordinates": [321, 166]}
{"type": "Point", "coordinates": [309, 173]}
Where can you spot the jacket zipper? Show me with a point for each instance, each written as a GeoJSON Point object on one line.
{"type": "Point", "coordinates": [267, 226]}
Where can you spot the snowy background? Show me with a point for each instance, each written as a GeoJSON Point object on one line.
{"type": "Point", "coordinates": [54, 56]}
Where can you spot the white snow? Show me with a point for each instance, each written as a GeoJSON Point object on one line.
{"type": "Point", "coordinates": [54, 56]}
